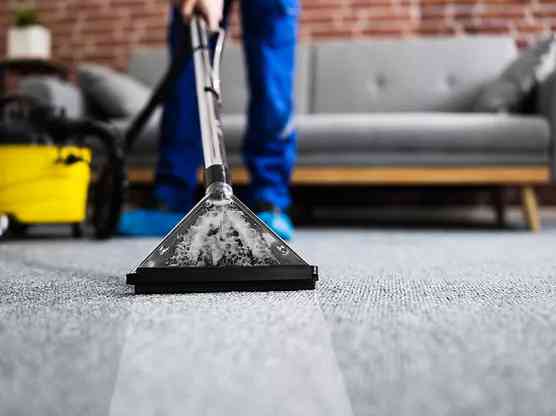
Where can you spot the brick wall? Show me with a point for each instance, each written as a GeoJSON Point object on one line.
{"type": "Point", "coordinates": [105, 30]}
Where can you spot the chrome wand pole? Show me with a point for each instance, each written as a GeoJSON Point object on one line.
{"type": "Point", "coordinates": [207, 86]}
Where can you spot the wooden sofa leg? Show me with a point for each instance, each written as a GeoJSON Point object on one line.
{"type": "Point", "coordinates": [530, 208]}
{"type": "Point", "coordinates": [499, 202]}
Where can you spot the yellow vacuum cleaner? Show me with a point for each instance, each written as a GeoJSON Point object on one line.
{"type": "Point", "coordinates": [45, 170]}
{"type": "Point", "coordinates": [39, 186]}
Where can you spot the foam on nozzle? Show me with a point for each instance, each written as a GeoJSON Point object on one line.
{"type": "Point", "coordinates": [222, 236]}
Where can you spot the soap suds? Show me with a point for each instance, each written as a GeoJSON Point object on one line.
{"type": "Point", "coordinates": [222, 236]}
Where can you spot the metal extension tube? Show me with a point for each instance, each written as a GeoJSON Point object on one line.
{"type": "Point", "coordinates": [207, 86]}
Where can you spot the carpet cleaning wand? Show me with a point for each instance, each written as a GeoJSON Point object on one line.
{"type": "Point", "coordinates": [209, 99]}
{"type": "Point", "coordinates": [220, 245]}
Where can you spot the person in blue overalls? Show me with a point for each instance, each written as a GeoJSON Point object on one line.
{"type": "Point", "coordinates": [269, 30]}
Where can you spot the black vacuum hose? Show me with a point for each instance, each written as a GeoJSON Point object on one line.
{"type": "Point", "coordinates": [111, 182]}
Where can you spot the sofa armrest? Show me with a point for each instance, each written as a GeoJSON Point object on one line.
{"type": "Point", "coordinates": [546, 105]}
{"type": "Point", "coordinates": [55, 92]}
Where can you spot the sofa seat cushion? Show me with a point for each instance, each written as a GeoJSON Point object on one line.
{"type": "Point", "coordinates": [394, 139]}
{"type": "Point", "coordinates": [393, 132]}
{"type": "Point", "coordinates": [407, 132]}
{"type": "Point", "coordinates": [147, 142]}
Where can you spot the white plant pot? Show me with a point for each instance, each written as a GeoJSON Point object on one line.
{"type": "Point", "coordinates": [29, 42]}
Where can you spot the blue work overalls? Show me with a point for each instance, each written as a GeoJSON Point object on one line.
{"type": "Point", "coordinates": [269, 30]}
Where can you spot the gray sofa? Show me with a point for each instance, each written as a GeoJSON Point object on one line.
{"type": "Point", "coordinates": [391, 112]}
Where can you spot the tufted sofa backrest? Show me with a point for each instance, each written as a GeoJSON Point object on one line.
{"type": "Point", "coordinates": [411, 75]}
{"type": "Point", "coordinates": [425, 74]}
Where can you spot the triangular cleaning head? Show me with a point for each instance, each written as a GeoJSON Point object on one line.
{"type": "Point", "coordinates": [222, 245]}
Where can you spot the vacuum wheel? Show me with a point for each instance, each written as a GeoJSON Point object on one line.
{"type": "Point", "coordinates": [77, 230]}
{"type": "Point", "coordinates": [4, 225]}
{"type": "Point", "coordinates": [10, 227]}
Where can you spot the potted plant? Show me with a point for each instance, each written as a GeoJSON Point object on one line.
{"type": "Point", "coordinates": [28, 38]}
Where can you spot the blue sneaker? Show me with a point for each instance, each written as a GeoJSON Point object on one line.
{"type": "Point", "coordinates": [279, 222]}
{"type": "Point", "coordinates": [148, 223]}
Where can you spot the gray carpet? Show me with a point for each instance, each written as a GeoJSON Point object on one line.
{"type": "Point", "coordinates": [404, 322]}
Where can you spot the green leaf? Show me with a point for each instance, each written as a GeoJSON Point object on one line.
{"type": "Point", "coordinates": [25, 17]}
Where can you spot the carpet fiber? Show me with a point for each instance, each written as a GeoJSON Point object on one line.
{"type": "Point", "coordinates": [404, 322]}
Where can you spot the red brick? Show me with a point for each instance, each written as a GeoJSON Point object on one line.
{"type": "Point", "coordinates": [107, 30]}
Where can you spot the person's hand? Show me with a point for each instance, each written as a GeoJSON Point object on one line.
{"type": "Point", "coordinates": [211, 10]}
